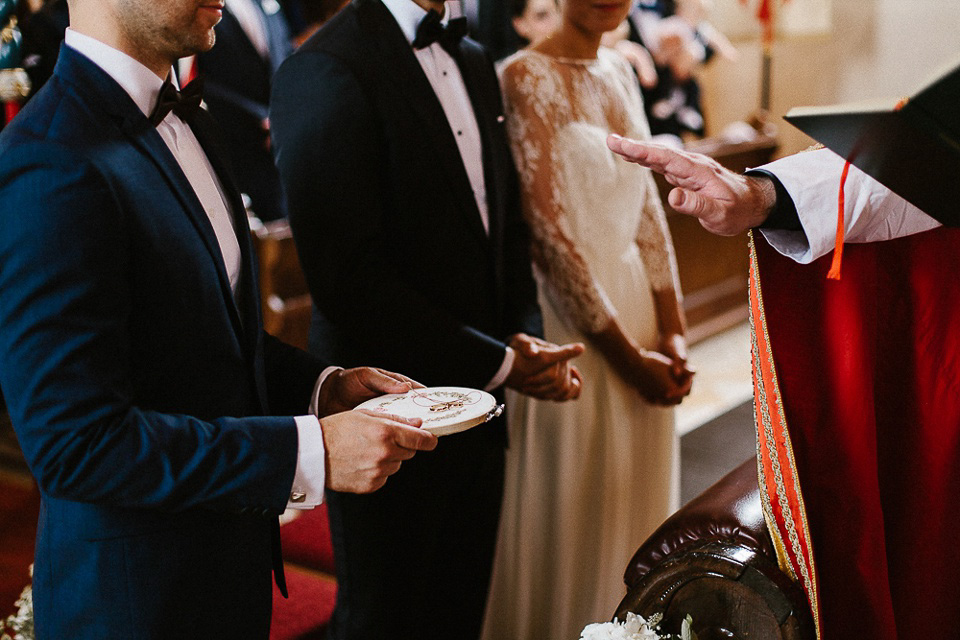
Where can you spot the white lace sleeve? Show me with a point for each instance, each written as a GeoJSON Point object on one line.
{"type": "Point", "coordinates": [656, 245]}
{"type": "Point", "coordinates": [536, 106]}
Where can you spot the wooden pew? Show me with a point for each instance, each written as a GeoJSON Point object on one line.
{"type": "Point", "coordinates": [713, 269]}
{"type": "Point", "coordinates": [284, 295]}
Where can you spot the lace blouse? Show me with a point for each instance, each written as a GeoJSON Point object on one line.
{"type": "Point", "coordinates": [545, 98]}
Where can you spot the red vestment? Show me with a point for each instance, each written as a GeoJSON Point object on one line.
{"type": "Point", "coordinates": [858, 418]}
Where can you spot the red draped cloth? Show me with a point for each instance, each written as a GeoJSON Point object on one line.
{"type": "Point", "coordinates": [858, 419]}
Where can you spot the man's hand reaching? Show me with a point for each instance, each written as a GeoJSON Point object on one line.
{"type": "Point", "coordinates": [726, 203]}
{"type": "Point", "coordinates": [343, 390]}
{"type": "Point", "coordinates": [542, 369]}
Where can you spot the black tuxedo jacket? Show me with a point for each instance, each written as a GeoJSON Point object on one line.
{"type": "Point", "coordinates": [137, 383]}
{"type": "Point", "coordinates": [402, 273]}
{"type": "Point", "coordinates": [237, 92]}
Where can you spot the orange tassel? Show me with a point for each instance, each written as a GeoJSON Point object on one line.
{"type": "Point", "coordinates": [834, 273]}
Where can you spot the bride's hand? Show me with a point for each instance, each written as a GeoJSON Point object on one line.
{"type": "Point", "coordinates": [649, 372]}
{"type": "Point", "coordinates": [674, 346]}
{"type": "Point", "coordinates": [654, 378]}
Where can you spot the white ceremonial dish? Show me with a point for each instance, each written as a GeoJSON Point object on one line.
{"type": "Point", "coordinates": [444, 410]}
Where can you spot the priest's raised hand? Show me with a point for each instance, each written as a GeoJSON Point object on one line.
{"type": "Point", "coordinates": [726, 203]}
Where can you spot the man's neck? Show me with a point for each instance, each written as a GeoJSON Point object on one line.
{"type": "Point", "coordinates": [110, 33]}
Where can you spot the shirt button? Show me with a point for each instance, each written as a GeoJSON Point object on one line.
{"type": "Point", "coordinates": [459, 132]}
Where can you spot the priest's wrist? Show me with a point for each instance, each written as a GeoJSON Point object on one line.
{"type": "Point", "coordinates": [761, 199]}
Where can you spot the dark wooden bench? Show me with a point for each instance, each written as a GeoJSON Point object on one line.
{"type": "Point", "coordinates": [714, 560]}
{"type": "Point", "coordinates": [284, 295]}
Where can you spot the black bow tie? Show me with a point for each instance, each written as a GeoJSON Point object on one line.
{"type": "Point", "coordinates": [431, 30]}
{"type": "Point", "coordinates": [183, 103]}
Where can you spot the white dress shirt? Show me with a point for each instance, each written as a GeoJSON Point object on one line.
{"type": "Point", "coordinates": [143, 86]}
{"type": "Point", "coordinates": [873, 212]}
{"type": "Point", "coordinates": [447, 82]}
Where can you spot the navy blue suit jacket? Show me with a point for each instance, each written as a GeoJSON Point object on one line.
{"type": "Point", "coordinates": [137, 385]}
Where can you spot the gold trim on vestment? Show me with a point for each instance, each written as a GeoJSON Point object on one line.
{"type": "Point", "coordinates": [763, 420]}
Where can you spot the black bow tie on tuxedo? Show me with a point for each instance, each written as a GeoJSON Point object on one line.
{"type": "Point", "coordinates": [431, 30]}
{"type": "Point", "coordinates": [183, 103]}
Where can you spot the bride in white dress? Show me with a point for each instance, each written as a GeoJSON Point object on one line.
{"type": "Point", "coordinates": [587, 481]}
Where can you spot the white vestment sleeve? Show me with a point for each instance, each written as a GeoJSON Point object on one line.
{"type": "Point", "coordinates": [873, 212]}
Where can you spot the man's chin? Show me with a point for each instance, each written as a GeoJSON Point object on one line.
{"type": "Point", "coordinates": [201, 45]}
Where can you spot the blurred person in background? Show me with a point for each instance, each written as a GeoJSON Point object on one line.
{"type": "Point", "coordinates": [306, 16]}
{"type": "Point", "coordinates": [677, 37]}
{"type": "Point", "coordinates": [252, 40]}
{"type": "Point", "coordinates": [534, 20]}
{"type": "Point", "coordinates": [43, 24]}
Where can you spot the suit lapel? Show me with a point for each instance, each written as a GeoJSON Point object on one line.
{"type": "Point", "coordinates": [248, 298]}
{"type": "Point", "coordinates": [248, 289]}
{"type": "Point", "coordinates": [99, 86]}
{"type": "Point", "coordinates": [403, 70]}
{"type": "Point", "coordinates": [150, 142]}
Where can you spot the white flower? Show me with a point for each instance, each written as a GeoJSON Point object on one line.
{"type": "Point", "coordinates": [633, 628]}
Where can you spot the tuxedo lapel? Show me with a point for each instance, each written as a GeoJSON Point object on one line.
{"type": "Point", "coordinates": [403, 71]}
{"type": "Point", "coordinates": [487, 112]}
{"type": "Point", "coordinates": [91, 81]}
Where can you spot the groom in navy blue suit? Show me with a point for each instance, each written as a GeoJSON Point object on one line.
{"type": "Point", "coordinates": [150, 405]}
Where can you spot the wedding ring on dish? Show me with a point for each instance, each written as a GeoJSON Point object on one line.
{"type": "Point", "coordinates": [444, 410]}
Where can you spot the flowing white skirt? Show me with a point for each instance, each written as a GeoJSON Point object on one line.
{"type": "Point", "coordinates": [587, 482]}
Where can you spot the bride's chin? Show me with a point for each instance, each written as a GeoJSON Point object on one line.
{"type": "Point", "coordinates": [607, 24]}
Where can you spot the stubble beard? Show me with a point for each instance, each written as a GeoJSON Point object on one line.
{"type": "Point", "coordinates": [161, 36]}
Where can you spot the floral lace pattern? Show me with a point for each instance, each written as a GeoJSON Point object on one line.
{"type": "Point", "coordinates": [583, 205]}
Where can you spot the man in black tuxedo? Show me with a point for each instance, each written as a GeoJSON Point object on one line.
{"type": "Point", "coordinates": [404, 205]}
{"type": "Point", "coordinates": [253, 39]}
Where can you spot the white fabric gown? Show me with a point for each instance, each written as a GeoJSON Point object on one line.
{"type": "Point", "coordinates": [589, 480]}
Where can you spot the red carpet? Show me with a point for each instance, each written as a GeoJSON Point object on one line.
{"type": "Point", "coordinates": [19, 508]}
{"type": "Point", "coordinates": [305, 614]}
{"type": "Point", "coordinates": [306, 542]}
{"type": "Point", "coordinates": [308, 556]}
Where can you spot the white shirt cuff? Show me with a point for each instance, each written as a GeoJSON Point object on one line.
{"type": "Point", "coordinates": [315, 399]}
{"type": "Point", "coordinates": [503, 371]}
{"type": "Point", "coordinates": [311, 474]}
